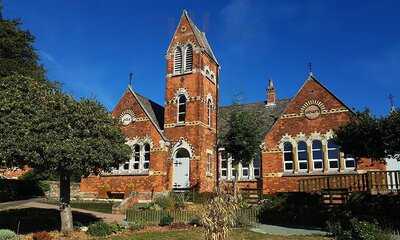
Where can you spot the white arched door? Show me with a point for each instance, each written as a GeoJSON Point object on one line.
{"type": "Point", "coordinates": [181, 169]}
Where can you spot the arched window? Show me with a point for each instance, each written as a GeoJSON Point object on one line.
{"type": "Point", "coordinates": [317, 154]}
{"type": "Point", "coordinates": [136, 157]}
{"type": "Point", "coordinates": [288, 156]}
{"type": "Point", "coordinates": [146, 160]}
{"type": "Point", "coordinates": [333, 154]}
{"type": "Point", "coordinates": [209, 108]}
{"type": "Point", "coordinates": [188, 58]}
{"type": "Point", "coordinates": [178, 60]}
{"type": "Point", "coordinates": [181, 108]}
{"type": "Point", "coordinates": [302, 155]}
{"type": "Point", "coordinates": [182, 153]}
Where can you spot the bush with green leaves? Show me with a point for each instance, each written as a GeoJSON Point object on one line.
{"type": "Point", "coordinates": [355, 229]}
{"type": "Point", "coordinates": [166, 220]}
{"type": "Point", "coordinates": [166, 202]}
{"type": "Point", "coordinates": [100, 229]}
{"type": "Point", "coordinates": [6, 234]}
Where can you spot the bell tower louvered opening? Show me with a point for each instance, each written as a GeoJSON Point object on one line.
{"type": "Point", "coordinates": [188, 58]}
{"type": "Point", "coordinates": [178, 60]}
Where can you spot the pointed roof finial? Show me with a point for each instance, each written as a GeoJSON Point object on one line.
{"type": "Point", "coordinates": [310, 69]}
{"type": "Point", "coordinates": [130, 79]}
{"type": "Point", "coordinates": [391, 99]}
{"type": "Point", "coordinates": [270, 84]}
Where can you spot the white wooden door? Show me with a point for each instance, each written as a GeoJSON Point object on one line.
{"type": "Point", "coordinates": [181, 173]}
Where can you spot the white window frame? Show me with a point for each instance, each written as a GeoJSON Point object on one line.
{"type": "Point", "coordinates": [333, 159]}
{"type": "Point", "coordinates": [314, 160]}
{"type": "Point", "coordinates": [349, 158]}
{"type": "Point", "coordinates": [146, 161]}
{"type": "Point", "coordinates": [243, 169]}
{"type": "Point", "coordinates": [178, 108]}
{"type": "Point", "coordinates": [209, 108]}
{"type": "Point", "coordinates": [209, 164]}
{"type": "Point", "coordinates": [185, 67]}
{"type": "Point", "coordinates": [135, 160]}
{"type": "Point", "coordinates": [178, 70]}
{"type": "Point", "coordinates": [224, 169]}
{"type": "Point", "coordinates": [284, 159]}
{"type": "Point", "coordinates": [302, 160]}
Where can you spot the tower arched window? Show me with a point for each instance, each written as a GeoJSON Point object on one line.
{"type": "Point", "coordinates": [209, 109]}
{"type": "Point", "coordinates": [178, 60]}
{"type": "Point", "coordinates": [146, 159]}
{"type": "Point", "coordinates": [302, 155]}
{"type": "Point", "coordinates": [188, 58]}
{"type": "Point", "coordinates": [333, 155]}
{"type": "Point", "coordinates": [181, 108]}
{"type": "Point", "coordinates": [317, 155]}
{"type": "Point", "coordinates": [136, 157]}
{"type": "Point", "coordinates": [288, 156]}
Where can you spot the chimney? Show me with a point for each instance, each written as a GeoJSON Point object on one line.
{"type": "Point", "coordinates": [271, 95]}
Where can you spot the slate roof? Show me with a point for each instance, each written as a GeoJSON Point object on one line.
{"type": "Point", "coordinates": [156, 112]}
{"type": "Point", "coordinates": [201, 37]}
{"type": "Point", "coordinates": [267, 114]}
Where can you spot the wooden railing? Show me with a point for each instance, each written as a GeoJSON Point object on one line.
{"type": "Point", "coordinates": [372, 181]}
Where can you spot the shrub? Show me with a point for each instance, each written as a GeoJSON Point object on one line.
{"type": "Point", "coordinates": [195, 221]}
{"type": "Point", "coordinates": [41, 236]}
{"type": "Point", "coordinates": [357, 230]}
{"type": "Point", "coordinates": [115, 227]}
{"type": "Point", "coordinates": [166, 220]}
{"type": "Point", "coordinates": [100, 229]}
{"type": "Point", "coordinates": [6, 234]}
{"type": "Point", "coordinates": [135, 226]}
{"type": "Point", "coordinates": [165, 202]}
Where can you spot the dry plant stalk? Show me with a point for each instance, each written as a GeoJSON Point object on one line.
{"type": "Point", "coordinates": [219, 216]}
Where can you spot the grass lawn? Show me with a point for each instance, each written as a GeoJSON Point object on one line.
{"type": "Point", "coordinates": [197, 235]}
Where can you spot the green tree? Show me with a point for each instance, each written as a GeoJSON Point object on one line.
{"type": "Point", "coordinates": [17, 55]}
{"type": "Point", "coordinates": [370, 136]}
{"type": "Point", "coordinates": [76, 137]}
{"type": "Point", "coordinates": [46, 129]}
{"type": "Point", "coordinates": [244, 136]}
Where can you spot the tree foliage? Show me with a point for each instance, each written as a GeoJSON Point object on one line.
{"type": "Point", "coordinates": [244, 135]}
{"type": "Point", "coordinates": [370, 136]}
{"type": "Point", "coordinates": [44, 128]}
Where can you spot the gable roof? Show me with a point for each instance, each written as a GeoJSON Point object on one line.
{"type": "Point", "coordinates": [154, 111]}
{"type": "Point", "coordinates": [266, 114]}
{"type": "Point", "coordinates": [199, 35]}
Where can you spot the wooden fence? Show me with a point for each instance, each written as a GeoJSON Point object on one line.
{"type": "Point", "coordinates": [373, 182]}
{"type": "Point", "coordinates": [153, 217]}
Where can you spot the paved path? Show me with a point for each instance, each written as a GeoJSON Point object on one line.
{"type": "Point", "coordinates": [285, 231]}
{"type": "Point", "coordinates": [35, 203]}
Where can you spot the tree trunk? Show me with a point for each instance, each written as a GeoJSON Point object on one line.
{"type": "Point", "coordinates": [65, 208]}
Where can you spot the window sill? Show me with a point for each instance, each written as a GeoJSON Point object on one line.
{"type": "Point", "coordinates": [317, 173]}
{"type": "Point", "coordinates": [181, 74]}
{"type": "Point", "coordinates": [180, 124]}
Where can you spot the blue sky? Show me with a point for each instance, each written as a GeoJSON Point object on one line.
{"type": "Point", "coordinates": [92, 45]}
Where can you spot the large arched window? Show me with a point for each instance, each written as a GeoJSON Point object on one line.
{"type": "Point", "coordinates": [136, 157]}
{"type": "Point", "coordinates": [209, 109]}
{"type": "Point", "coordinates": [333, 154]}
{"type": "Point", "coordinates": [188, 58]}
{"type": "Point", "coordinates": [146, 159]}
{"type": "Point", "coordinates": [178, 60]}
{"type": "Point", "coordinates": [317, 155]}
{"type": "Point", "coordinates": [181, 108]}
{"type": "Point", "coordinates": [302, 155]}
{"type": "Point", "coordinates": [288, 156]}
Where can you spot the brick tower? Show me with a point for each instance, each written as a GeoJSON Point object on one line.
{"type": "Point", "coordinates": [191, 108]}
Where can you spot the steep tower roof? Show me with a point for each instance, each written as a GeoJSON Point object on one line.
{"type": "Point", "coordinates": [199, 35]}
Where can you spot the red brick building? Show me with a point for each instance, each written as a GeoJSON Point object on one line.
{"type": "Point", "coordinates": [175, 146]}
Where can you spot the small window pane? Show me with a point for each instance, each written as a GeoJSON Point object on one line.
{"type": "Point", "coordinates": [289, 166]}
{"type": "Point", "coordinates": [223, 173]}
{"type": "Point", "coordinates": [333, 164]}
{"type": "Point", "coordinates": [245, 172]}
{"type": "Point", "coordinates": [224, 164]}
{"type": "Point", "coordinates": [316, 144]}
{"type": "Point", "coordinates": [256, 172]}
{"type": "Point", "coordinates": [302, 146]}
{"type": "Point", "coordinates": [146, 165]}
{"type": "Point", "coordinates": [317, 155]}
{"type": "Point", "coordinates": [332, 144]}
{"type": "Point", "coordinates": [303, 165]}
{"type": "Point", "coordinates": [318, 165]}
{"type": "Point", "coordinates": [181, 117]}
{"type": "Point", "coordinates": [333, 154]}
{"type": "Point", "coordinates": [182, 153]}
{"type": "Point", "coordinates": [287, 146]}
{"type": "Point", "coordinates": [126, 166]}
{"type": "Point", "coordinates": [302, 156]}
